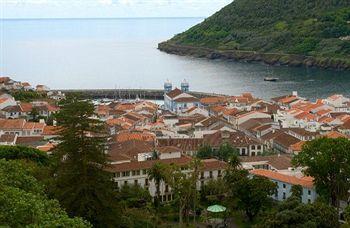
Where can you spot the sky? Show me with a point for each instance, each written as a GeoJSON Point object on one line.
{"type": "Point", "coordinates": [108, 8]}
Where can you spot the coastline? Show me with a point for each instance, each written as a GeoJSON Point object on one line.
{"type": "Point", "coordinates": [251, 56]}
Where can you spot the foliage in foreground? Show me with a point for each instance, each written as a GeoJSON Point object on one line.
{"type": "Point", "coordinates": [328, 161]}
{"type": "Point", "coordinates": [24, 203]}
{"type": "Point", "coordinates": [293, 213]}
{"type": "Point", "coordinates": [82, 184]}
{"type": "Point", "coordinates": [250, 194]}
{"type": "Point", "coordinates": [22, 152]}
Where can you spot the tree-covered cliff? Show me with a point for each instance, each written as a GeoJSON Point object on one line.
{"type": "Point", "coordinates": [317, 28]}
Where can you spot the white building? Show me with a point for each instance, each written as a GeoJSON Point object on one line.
{"type": "Point", "coordinates": [285, 182]}
{"type": "Point", "coordinates": [179, 101]}
{"type": "Point", "coordinates": [137, 173]}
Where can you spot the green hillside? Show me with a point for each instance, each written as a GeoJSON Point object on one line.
{"type": "Point", "coordinates": [318, 28]}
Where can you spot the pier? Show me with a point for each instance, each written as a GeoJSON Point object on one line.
{"type": "Point", "coordinates": [147, 94]}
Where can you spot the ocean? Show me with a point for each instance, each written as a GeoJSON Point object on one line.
{"type": "Point", "coordinates": [122, 53]}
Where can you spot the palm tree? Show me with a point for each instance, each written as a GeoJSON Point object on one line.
{"type": "Point", "coordinates": [157, 173]}
{"type": "Point", "coordinates": [234, 162]}
{"type": "Point", "coordinates": [196, 165]}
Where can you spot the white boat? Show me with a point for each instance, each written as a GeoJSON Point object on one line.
{"type": "Point", "coordinates": [269, 79]}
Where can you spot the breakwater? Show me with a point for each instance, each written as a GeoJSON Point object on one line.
{"type": "Point", "coordinates": [149, 94]}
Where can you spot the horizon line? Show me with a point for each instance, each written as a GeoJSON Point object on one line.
{"type": "Point", "coordinates": [94, 18]}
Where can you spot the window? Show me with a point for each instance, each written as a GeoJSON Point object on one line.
{"type": "Point", "coordinates": [211, 174]}
{"type": "Point", "coordinates": [243, 151]}
{"type": "Point", "coordinates": [146, 182]}
{"type": "Point", "coordinates": [133, 173]}
{"type": "Point", "coordinates": [166, 188]}
{"type": "Point", "coordinates": [202, 184]}
{"type": "Point", "coordinates": [117, 174]}
{"type": "Point", "coordinates": [125, 182]}
{"type": "Point", "coordinates": [135, 182]}
{"type": "Point", "coordinates": [138, 172]}
{"type": "Point", "coordinates": [219, 173]}
{"type": "Point", "coordinates": [309, 201]}
{"type": "Point", "coordinates": [144, 172]}
{"type": "Point", "coordinates": [202, 175]}
{"type": "Point", "coordinates": [117, 183]}
{"type": "Point", "coordinates": [164, 198]}
{"type": "Point", "coordinates": [253, 147]}
{"type": "Point", "coordinates": [125, 173]}
{"type": "Point", "coordinates": [284, 186]}
{"type": "Point", "coordinates": [169, 197]}
{"type": "Point", "coordinates": [309, 192]}
{"type": "Point", "coordinates": [253, 153]}
{"type": "Point", "coordinates": [259, 147]}
{"type": "Point", "coordinates": [276, 194]}
{"type": "Point", "coordinates": [284, 195]}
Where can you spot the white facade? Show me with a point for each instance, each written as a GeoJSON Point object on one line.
{"type": "Point", "coordinates": [140, 177]}
{"type": "Point", "coordinates": [283, 192]}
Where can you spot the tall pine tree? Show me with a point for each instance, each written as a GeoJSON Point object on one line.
{"type": "Point", "coordinates": [82, 185]}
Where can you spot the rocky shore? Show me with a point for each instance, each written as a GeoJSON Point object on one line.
{"type": "Point", "coordinates": [251, 56]}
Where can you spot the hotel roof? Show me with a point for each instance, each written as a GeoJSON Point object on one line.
{"type": "Point", "coordinates": [279, 162]}
{"type": "Point", "coordinates": [306, 182]}
{"type": "Point", "coordinates": [135, 165]}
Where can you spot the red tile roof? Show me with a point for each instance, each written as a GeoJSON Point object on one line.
{"type": "Point", "coordinates": [280, 162]}
{"type": "Point", "coordinates": [8, 124]}
{"type": "Point", "coordinates": [185, 144]}
{"type": "Point", "coordinates": [168, 149]}
{"type": "Point", "coordinates": [51, 130]}
{"type": "Point", "coordinates": [213, 100]}
{"type": "Point", "coordinates": [213, 164]}
{"type": "Point", "coordinates": [236, 139]}
{"type": "Point", "coordinates": [141, 136]}
{"type": "Point", "coordinates": [187, 99]}
{"type": "Point", "coordinates": [306, 182]}
{"type": "Point", "coordinates": [174, 93]}
{"type": "Point", "coordinates": [335, 134]}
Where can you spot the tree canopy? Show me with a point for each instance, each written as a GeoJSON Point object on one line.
{"type": "Point", "coordinates": [225, 152]}
{"type": "Point", "coordinates": [328, 161]}
{"type": "Point", "coordinates": [22, 152]}
{"type": "Point", "coordinates": [24, 203]}
{"type": "Point", "coordinates": [82, 184]}
{"type": "Point", "coordinates": [293, 213]}
{"type": "Point", "coordinates": [250, 194]}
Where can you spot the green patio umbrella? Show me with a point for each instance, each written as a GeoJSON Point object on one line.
{"type": "Point", "coordinates": [216, 208]}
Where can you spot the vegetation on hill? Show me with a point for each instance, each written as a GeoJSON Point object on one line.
{"type": "Point", "coordinates": [317, 28]}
